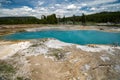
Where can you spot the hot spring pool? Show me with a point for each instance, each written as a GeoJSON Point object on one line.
{"type": "Point", "coordinates": [73, 36]}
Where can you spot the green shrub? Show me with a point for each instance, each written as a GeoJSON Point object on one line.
{"type": "Point", "coordinates": [6, 68]}
{"type": "Point", "coordinates": [58, 53]}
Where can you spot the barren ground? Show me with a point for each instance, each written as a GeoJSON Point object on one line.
{"type": "Point", "coordinates": [50, 59]}
{"type": "Point", "coordinates": [8, 29]}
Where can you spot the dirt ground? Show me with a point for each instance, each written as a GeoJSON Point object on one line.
{"type": "Point", "coordinates": [8, 29]}
{"type": "Point", "coordinates": [79, 65]}
{"type": "Point", "coordinates": [49, 60]}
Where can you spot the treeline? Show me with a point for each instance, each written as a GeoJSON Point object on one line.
{"type": "Point", "coordinates": [19, 20]}
{"type": "Point", "coordinates": [113, 17]}
{"type": "Point", "coordinates": [50, 19]}
{"type": "Point", "coordinates": [103, 17]}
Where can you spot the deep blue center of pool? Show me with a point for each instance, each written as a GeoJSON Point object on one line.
{"type": "Point", "coordinates": [73, 36]}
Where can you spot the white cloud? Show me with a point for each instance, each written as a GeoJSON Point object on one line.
{"type": "Point", "coordinates": [97, 2]}
{"type": "Point", "coordinates": [23, 11]}
{"type": "Point", "coordinates": [93, 8]}
{"type": "Point", "coordinates": [67, 9]}
{"type": "Point", "coordinates": [26, 8]}
{"type": "Point", "coordinates": [72, 6]}
{"type": "Point", "coordinates": [112, 5]}
{"type": "Point", "coordinates": [83, 4]}
{"type": "Point", "coordinates": [58, 5]}
{"type": "Point", "coordinates": [40, 3]}
{"type": "Point", "coordinates": [61, 12]}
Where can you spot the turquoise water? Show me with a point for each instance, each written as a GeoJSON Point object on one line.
{"type": "Point", "coordinates": [73, 36]}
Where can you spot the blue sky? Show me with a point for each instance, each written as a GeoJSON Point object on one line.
{"type": "Point", "coordinates": [60, 7]}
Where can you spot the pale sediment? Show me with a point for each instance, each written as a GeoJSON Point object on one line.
{"type": "Point", "coordinates": [57, 60]}
{"type": "Point", "coordinates": [9, 29]}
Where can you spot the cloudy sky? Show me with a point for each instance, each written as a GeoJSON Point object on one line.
{"type": "Point", "coordinates": [59, 7]}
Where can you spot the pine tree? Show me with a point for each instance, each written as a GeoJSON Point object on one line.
{"type": "Point", "coordinates": [83, 19]}
{"type": "Point", "coordinates": [73, 19]}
